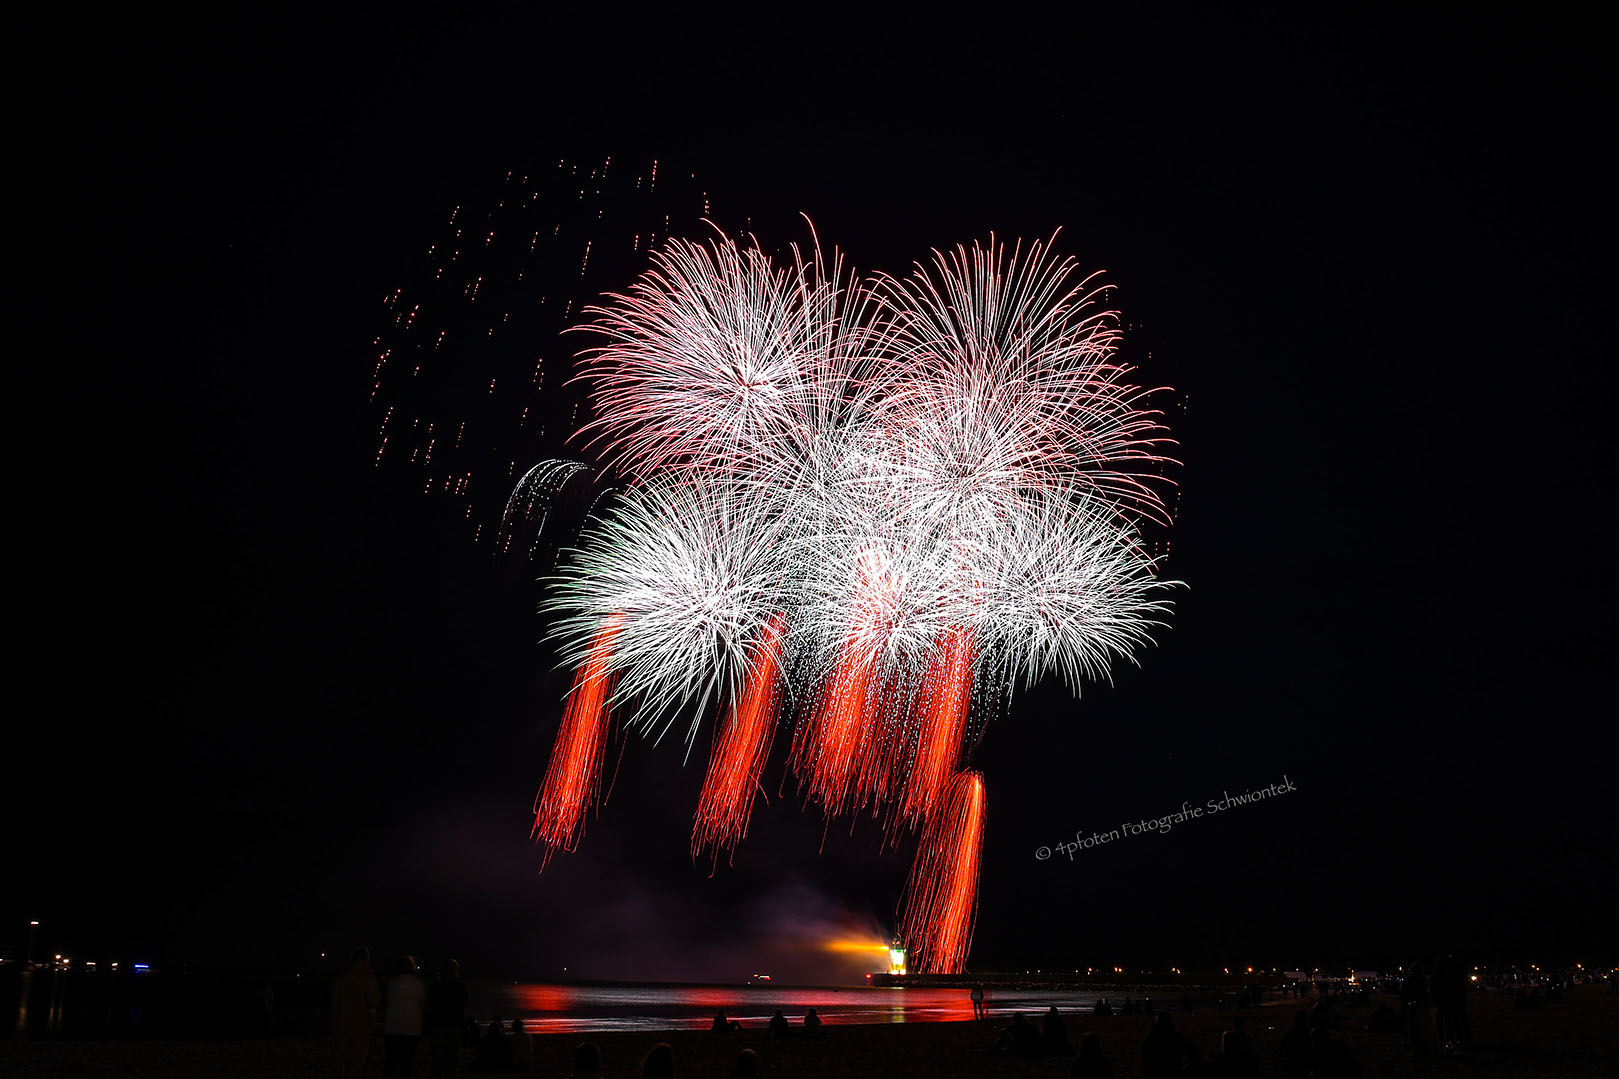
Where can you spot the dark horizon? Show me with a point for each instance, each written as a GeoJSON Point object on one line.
{"type": "Point", "coordinates": [304, 711]}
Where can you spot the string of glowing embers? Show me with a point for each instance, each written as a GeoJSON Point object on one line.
{"type": "Point", "coordinates": [873, 506]}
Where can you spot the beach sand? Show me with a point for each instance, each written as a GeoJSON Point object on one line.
{"type": "Point", "coordinates": [1576, 1039]}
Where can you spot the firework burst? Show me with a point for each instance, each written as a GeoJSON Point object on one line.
{"type": "Point", "coordinates": [872, 508]}
{"type": "Point", "coordinates": [696, 574]}
{"type": "Point", "coordinates": [1019, 385]}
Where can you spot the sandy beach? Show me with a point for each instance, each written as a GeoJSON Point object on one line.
{"type": "Point", "coordinates": [1579, 1038]}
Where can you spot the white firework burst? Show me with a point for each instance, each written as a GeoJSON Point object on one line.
{"type": "Point", "coordinates": [1061, 587]}
{"type": "Point", "coordinates": [1016, 382]}
{"type": "Point", "coordinates": [694, 573]}
{"type": "Point", "coordinates": [717, 360]}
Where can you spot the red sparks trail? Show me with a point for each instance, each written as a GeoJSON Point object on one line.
{"type": "Point", "coordinates": [739, 756]}
{"type": "Point", "coordinates": [942, 705]}
{"type": "Point", "coordinates": [574, 774]}
{"type": "Point", "coordinates": [830, 745]}
{"type": "Point", "coordinates": [840, 746]}
{"type": "Point", "coordinates": [942, 894]}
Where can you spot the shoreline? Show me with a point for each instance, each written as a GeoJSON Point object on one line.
{"type": "Point", "coordinates": [1559, 1040]}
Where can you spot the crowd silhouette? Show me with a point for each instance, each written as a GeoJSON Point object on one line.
{"type": "Point", "coordinates": [1431, 1017]}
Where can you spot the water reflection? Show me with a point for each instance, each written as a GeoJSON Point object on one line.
{"type": "Point", "coordinates": [549, 1008]}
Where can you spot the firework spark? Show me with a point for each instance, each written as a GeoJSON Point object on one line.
{"type": "Point", "coordinates": [942, 893]}
{"type": "Point", "coordinates": [942, 704]}
{"type": "Point", "coordinates": [574, 776]}
{"type": "Point", "coordinates": [740, 751]}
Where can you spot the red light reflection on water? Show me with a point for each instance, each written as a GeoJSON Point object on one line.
{"type": "Point", "coordinates": [557, 1008]}
{"type": "Point", "coordinates": [708, 997]}
{"type": "Point", "coordinates": [543, 998]}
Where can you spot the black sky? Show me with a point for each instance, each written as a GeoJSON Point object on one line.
{"type": "Point", "coordinates": [285, 708]}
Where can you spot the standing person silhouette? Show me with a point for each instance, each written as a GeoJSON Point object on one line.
{"type": "Point", "coordinates": [445, 1017]}
{"type": "Point", "coordinates": [402, 1020]}
{"type": "Point", "coordinates": [355, 996]}
{"type": "Point", "coordinates": [978, 1001]}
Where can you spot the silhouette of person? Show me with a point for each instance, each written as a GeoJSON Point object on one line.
{"type": "Point", "coordinates": [1166, 1052]}
{"type": "Point", "coordinates": [522, 1047]}
{"type": "Point", "coordinates": [1090, 1064]}
{"type": "Point", "coordinates": [402, 1020]}
{"type": "Point", "coordinates": [1330, 1059]}
{"type": "Point", "coordinates": [659, 1062]}
{"type": "Point", "coordinates": [355, 996]}
{"type": "Point", "coordinates": [1102, 1007]}
{"type": "Point", "coordinates": [978, 1001]}
{"type": "Point", "coordinates": [267, 999]}
{"type": "Point", "coordinates": [812, 1024]}
{"type": "Point", "coordinates": [778, 1026]}
{"type": "Point", "coordinates": [1296, 1047]}
{"type": "Point", "coordinates": [1020, 1037]}
{"type": "Point", "coordinates": [1384, 1020]}
{"type": "Point", "coordinates": [1236, 1057]}
{"type": "Point", "coordinates": [1450, 998]}
{"type": "Point", "coordinates": [1419, 1017]}
{"type": "Point", "coordinates": [494, 1051]}
{"type": "Point", "coordinates": [746, 1066]}
{"type": "Point", "coordinates": [1054, 1034]}
{"type": "Point", "coordinates": [586, 1060]}
{"type": "Point", "coordinates": [445, 1017]}
{"type": "Point", "coordinates": [720, 1025]}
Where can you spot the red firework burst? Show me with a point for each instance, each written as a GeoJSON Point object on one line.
{"type": "Point", "coordinates": [829, 746]}
{"type": "Point", "coordinates": [574, 774]}
{"type": "Point", "coordinates": [941, 897]}
{"type": "Point", "coordinates": [741, 750]}
{"type": "Point", "coordinates": [840, 750]}
{"type": "Point", "coordinates": [942, 705]}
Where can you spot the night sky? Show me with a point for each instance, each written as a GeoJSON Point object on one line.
{"type": "Point", "coordinates": [271, 701]}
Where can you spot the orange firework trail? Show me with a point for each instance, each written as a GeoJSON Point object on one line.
{"type": "Point", "coordinates": [942, 894]}
{"type": "Point", "coordinates": [739, 756]}
{"type": "Point", "coordinates": [840, 746]}
{"type": "Point", "coordinates": [831, 744]}
{"type": "Point", "coordinates": [942, 706]}
{"type": "Point", "coordinates": [574, 774]}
